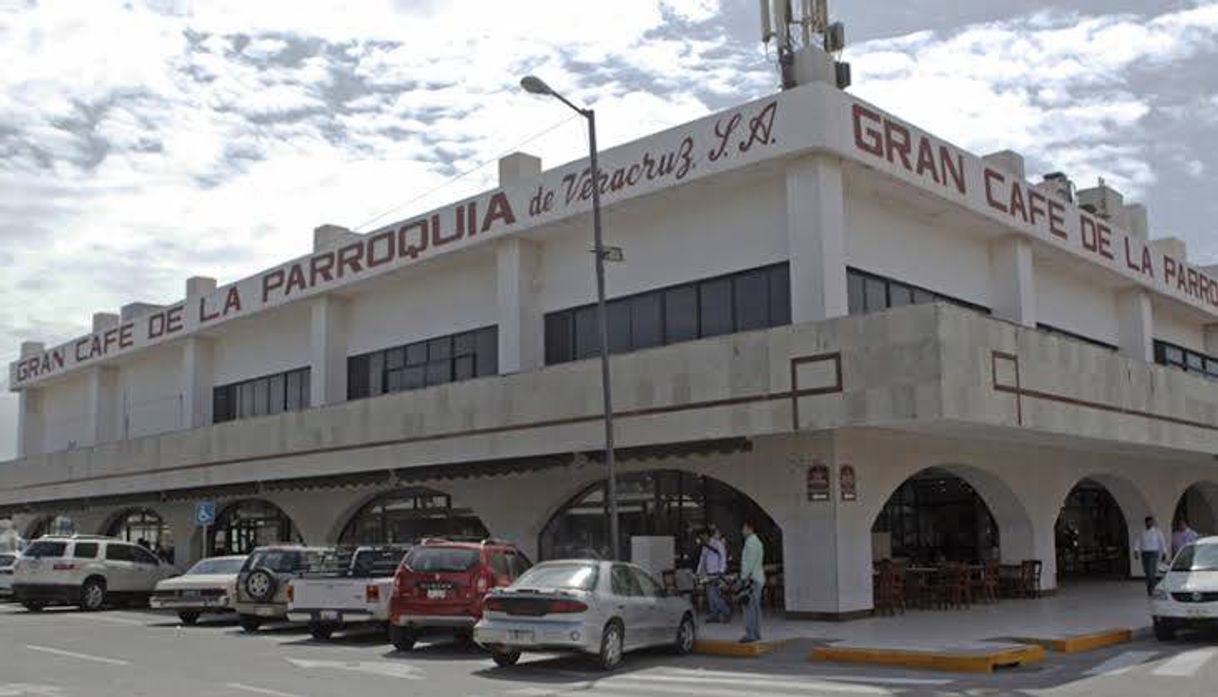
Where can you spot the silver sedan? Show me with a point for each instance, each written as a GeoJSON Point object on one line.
{"type": "Point", "coordinates": [595, 607]}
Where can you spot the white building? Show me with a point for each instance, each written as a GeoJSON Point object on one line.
{"type": "Point", "coordinates": [870, 340]}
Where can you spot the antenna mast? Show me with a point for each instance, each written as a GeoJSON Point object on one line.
{"type": "Point", "coordinates": [802, 28]}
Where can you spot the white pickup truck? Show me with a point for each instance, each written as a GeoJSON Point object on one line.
{"type": "Point", "coordinates": [354, 586]}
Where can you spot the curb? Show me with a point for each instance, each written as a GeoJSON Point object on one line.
{"type": "Point", "coordinates": [732, 649]}
{"type": "Point", "coordinates": [947, 660]}
{"type": "Point", "coordinates": [1079, 643]}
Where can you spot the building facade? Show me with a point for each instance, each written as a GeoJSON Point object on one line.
{"type": "Point", "coordinates": [868, 341]}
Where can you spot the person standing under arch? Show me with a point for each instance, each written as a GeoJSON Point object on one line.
{"type": "Point", "coordinates": [1153, 548]}
{"type": "Point", "coordinates": [752, 574]}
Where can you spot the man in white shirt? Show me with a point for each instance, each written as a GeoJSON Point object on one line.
{"type": "Point", "coordinates": [1152, 546]}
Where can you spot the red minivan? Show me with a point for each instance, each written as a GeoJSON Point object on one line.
{"type": "Point", "coordinates": [441, 584]}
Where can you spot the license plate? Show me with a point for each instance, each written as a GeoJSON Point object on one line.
{"type": "Point", "coordinates": [264, 611]}
{"type": "Point", "coordinates": [437, 594]}
{"type": "Point", "coordinates": [329, 615]}
{"type": "Point", "coordinates": [523, 636]}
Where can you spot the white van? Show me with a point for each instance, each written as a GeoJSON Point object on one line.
{"type": "Point", "coordinates": [87, 571]}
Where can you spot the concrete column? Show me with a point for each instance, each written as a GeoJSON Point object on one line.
{"type": "Point", "coordinates": [816, 225]}
{"type": "Point", "coordinates": [197, 382]}
{"type": "Point", "coordinates": [100, 411]}
{"type": "Point", "coordinates": [1013, 280]}
{"type": "Point", "coordinates": [328, 351]}
{"type": "Point", "coordinates": [1135, 324]}
{"type": "Point", "coordinates": [521, 326]}
{"type": "Point", "coordinates": [29, 422]}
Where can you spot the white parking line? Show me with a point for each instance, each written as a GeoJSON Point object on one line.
{"type": "Point", "coordinates": [81, 656]}
{"type": "Point", "coordinates": [259, 690]}
{"type": "Point", "coordinates": [698, 672]}
{"type": "Point", "coordinates": [1122, 662]}
{"type": "Point", "coordinates": [1185, 665]}
{"type": "Point", "coordinates": [112, 619]}
{"type": "Point", "coordinates": [733, 689]}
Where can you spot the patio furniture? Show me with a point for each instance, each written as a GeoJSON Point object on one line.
{"type": "Point", "coordinates": [953, 589]}
{"type": "Point", "coordinates": [889, 589]}
{"type": "Point", "coordinates": [984, 581]}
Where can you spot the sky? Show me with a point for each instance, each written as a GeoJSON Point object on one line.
{"type": "Point", "coordinates": [146, 141]}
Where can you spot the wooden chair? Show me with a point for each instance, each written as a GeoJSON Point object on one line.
{"type": "Point", "coordinates": [984, 582]}
{"type": "Point", "coordinates": [890, 589]}
{"type": "Point", "coordinates": [1028, 585]}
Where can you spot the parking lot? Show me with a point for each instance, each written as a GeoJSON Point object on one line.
{"type": "Point", "coordinates": [64, 653]}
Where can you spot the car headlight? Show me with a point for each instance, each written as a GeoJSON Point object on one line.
{"type": "Point", "coordinates": [1159, 593]}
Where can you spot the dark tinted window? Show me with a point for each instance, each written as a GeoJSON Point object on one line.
{"type": "Point", "coordinates": [715, 307]}
{"type": "Point", "coordinates": [519, 563]}
{"type": "Point", "coordinates": [1185, 359]}
{"type": "Point", "coordinates": [780, 295]}
{"type": "Point", "coordinates": [647, 320]}
{"type": "Point", "coordinates": [271, 394]}
{"type": "Point", "coordinates": [143, 556]}
{"type": "Point", "coordinates": [117, 552]}
{"type": "Point", "coordinates": [85, 550]}
{"type": "Point", "coordinates": [277, 560]}
{"type": "Point", "coordinates": [751, 300]}
{"type": "Point", "coordinates": [680, 314]}
{"type": "Point", "coordinates": [421, 364]}
{"type": "Point", "coordinates": [868, 292]}
{"type": "Point", "coordinates": [442, 559]}
{"type": "Point", "coordinates": [619, 326]}
{"type": "Point", "coordinates": [43, 549]}
{"type": "Point", "coordinates": [875, 294]}
{"type": "Point", "coordinates": [586, 332]}
{"type": "Point", "coordinates": [500, 566]}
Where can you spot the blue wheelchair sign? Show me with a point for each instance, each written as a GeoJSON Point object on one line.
{"type": "Point", "coordinates": [205, 513]}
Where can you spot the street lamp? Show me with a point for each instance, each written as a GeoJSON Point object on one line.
{"type": "Point", "coordinates": [536, 85]}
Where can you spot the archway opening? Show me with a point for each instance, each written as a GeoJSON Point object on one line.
{"type": "Point", "coordinates": [658, 503]}
{"type": "Point", "coordinates": [1092, 534]}
{"type": "Point", "coordinates": [406, 515]}
{"type": "Point", "coordinates": [51, 525]}
{"type": "Point", "coordinates": [248, 524]}
{"type": "Point", "coordinates": [935, 516]}
{"type": "Point", "coordinates": [1198, 509]}
{"type": "Point", "coordinates": [143, 526]}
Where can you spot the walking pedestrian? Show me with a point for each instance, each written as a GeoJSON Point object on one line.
{"type": "Point", "coordinates": [1152, 547]}
{"type": "Point", "coordinates": [712, 563]}
{"type": "Point", "coordinates": [1183, 537]}
{"type": "Point", "coordinates": [752, 571]}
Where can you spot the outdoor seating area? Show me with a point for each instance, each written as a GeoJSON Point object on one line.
{"type": "Point", "coordinates": [899, 585]}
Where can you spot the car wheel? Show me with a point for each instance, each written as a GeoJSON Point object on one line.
{"type": "Point", "coordinates": [321, 632]}
{"type": "Point", "coordinates": [188, 617]}
{"type": "Point", "coordinates": [464, 638]}
{"type": "Point", "coordinates": [610, 656]}
{"type": "Point", "coordinates": [249, 623]}
{"type": "Point", "coordinates": [33, 607]}
{"type": "Point", "coordinates": [687, 634]}
{"type": "Point", "coordinates": [92, 594]}
{"type": "Point", "coordinates": [505, 657]}
{"type": "Point", "coordinates": [402, 639]}
{"type": "Point", "coordinates": [1164, 630]}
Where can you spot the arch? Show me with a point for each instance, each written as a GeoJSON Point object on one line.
{"type": "Point", "coordinates": [1097, 522]}
{"type": "Point", "coordinates": [1198, 506]}
{"type": "Point", "coordinates": [248, 523]}
{"type": "Point", "coordinates": [50, 524]}
{"type": "Point", "coordinates": [658, 502]}
{"type": "Point", "coordinates": [407, 514]}
{"type": "Point", "coordinates": [1003, 524]}
{"type": "Point", "coordinates": [140, 523]}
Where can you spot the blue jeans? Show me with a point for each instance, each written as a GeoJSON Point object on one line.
{"type": "Point", "coordinates": [1150, 565]}
{"type": "Point", "coordinates": [752, 614]}
{"type": "Point", "coordinates": [714, 598]}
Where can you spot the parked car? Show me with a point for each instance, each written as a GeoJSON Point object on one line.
{"type": "Point", "coordinates": [595, 607]}
{"type": "Point", "coordinates": [442, 583]}
{"type": "Point", "coordinates": [353, 587]}
{"type": "Point", "coordinates": [263, 582]}
{"type": "Point", "coordinates": [87, 571]}
{"type": "Point", "coordinates": [208, 587]}
{"type": "Point", "coordinates": [7, 559]}
{"type": "Point", "coordinates": [1187, 597]}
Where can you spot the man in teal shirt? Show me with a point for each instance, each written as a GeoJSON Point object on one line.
{"type": "Point", "coordinates": [751, 569]}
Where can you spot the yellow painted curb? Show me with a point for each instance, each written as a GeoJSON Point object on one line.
{"type": "Point", "coordinates": [707, 647]}
{"type": "Point", "coordinates": [1079, 643]}
{"type": "Point", "coordinates": [980, 661]}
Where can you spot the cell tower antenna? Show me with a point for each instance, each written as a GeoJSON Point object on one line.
{"type": "Point", "coordinates": [803, 27]}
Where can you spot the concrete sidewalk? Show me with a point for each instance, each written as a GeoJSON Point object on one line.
{"type": "Point", "coordinates": [1077, 608]}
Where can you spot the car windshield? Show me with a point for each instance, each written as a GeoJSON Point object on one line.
{"type": "Point", "coordinates": [278, 560]}
{"type": "Point", "coordinates": [576, 576]}
{"type": "Point", "coordinates": [216, 566]}
{"type": "Point", "coordinates": [442, 559]}
{"type": "Point", "coordinates": [42, 549]}
{"type": "Point", "coordinates": [376, 562]}
{"type": "Point", "coordinates": [1197, 558]}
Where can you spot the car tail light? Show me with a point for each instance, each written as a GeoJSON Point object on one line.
{"type": "Point", "coordinates": [559, 607]}
{"type": "Point", "coordinates": [291, 594]}
{"type": "Point", "coordinates": [495, 605]}
{"type": "Point", "coordinates": [372, 594]}
{"type": "Point", "coordinates": [63, 567]}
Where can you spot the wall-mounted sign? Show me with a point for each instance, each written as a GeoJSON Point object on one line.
{"type": "Point", "coordinates": [849, 483]}
{"type": "Point", "coordinates": [818, 482]}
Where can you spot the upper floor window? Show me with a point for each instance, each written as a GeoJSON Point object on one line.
{"type": "Point", "coordinates": [868, 292]}
{"type": "Point", "coordinates": [270, 394]}
{"type": "Point", "coordinates": [1077, 337]}
{"type": "Point", "coordinates": [1185, 359]}
{"type": "Point", "coordinates": [737, 302]}
{"type": "Point", "coordinates": [424, 363]}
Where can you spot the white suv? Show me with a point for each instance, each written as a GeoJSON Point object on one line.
{"type": "Point", "coordinates": [86, 571]}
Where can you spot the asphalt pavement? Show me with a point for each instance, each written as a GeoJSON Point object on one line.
{"type": "Point", "coordinates": [124, 653]}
